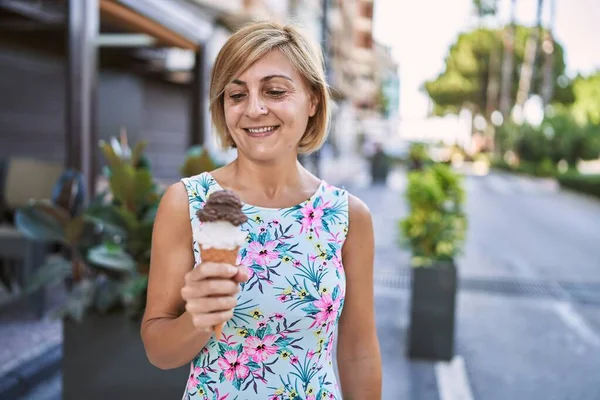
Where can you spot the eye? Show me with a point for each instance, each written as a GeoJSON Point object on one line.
{"type": "Point", "coordinates": [276, 93]}
{"type": "Point", "coordinates": [237, 96]}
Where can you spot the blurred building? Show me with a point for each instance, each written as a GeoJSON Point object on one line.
{"type": "Point", "coordinates": [364, 76]}
{"type": "Point", "coordinates": [80, 71]}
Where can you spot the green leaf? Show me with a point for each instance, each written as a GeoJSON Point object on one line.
{"type": "Point", "coordinates": [122, 183]}
{"type": "Point", "coordinates": [41, 221]}
{"type": "Point", "coordinates": [109, 219]}
{"type": "Point", "coordinates": [55, 268]}
{"type": "Point", "coordinates": [114, 259]}
{"type": "Point", "coordinates": [138, 152]}
{"type": "Point", "coordinates": [109, 153]}
{"type": "Point", "coordinates": [143, 185]}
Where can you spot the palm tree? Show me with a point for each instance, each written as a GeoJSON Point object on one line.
{"type": "Point", "coordinates": [548, 50]}
{"type": "Point", "coordinates": [529, 61]}
{"type": "Point", "coordinates": [508, 62]}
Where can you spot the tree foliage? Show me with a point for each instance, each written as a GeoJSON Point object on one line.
{"type": "Point", "coordinates": [586, 108]}
{"type": "Point", "coordinates": [464, 81]}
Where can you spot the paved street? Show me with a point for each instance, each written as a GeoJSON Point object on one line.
{"type": "Point", "coordinates": [529, 309]}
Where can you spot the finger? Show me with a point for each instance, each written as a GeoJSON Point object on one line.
{"type": "Point", "coordinates": [216, 287]}
{"type": "Point", "coordinates": [212, 319]}
{"type": "Point", "coordinates": [212, 270]}
{"type": "Point", "coordinates": [243, 274]}
{"type": "Point", "coordinates": [211, 304]}
{"type": "Point", "coordinates": [208, 288]}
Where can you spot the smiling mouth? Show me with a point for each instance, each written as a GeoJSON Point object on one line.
{"type": "Point", "coordinates": [262, 131]}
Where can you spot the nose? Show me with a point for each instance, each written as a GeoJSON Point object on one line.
{"type": "Point", "coordinates": [256, 107]}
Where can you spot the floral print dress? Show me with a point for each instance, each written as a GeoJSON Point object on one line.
{"type": "Point", "coordinates": [279, 344]}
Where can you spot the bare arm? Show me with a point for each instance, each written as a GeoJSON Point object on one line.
{"type": "Point", "coordinates": [169, 336]}
{"type": "Point", "coordinates": [359, 359]}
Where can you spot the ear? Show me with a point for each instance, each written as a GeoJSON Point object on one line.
{"type": "Point", "coordinates": [314, 103]}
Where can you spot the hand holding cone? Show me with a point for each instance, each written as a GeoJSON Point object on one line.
{"type": "Point", "coordinates": [220, 236]}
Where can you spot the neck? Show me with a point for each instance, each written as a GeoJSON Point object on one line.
{"type": "Point", "coordinates": [271, 178]}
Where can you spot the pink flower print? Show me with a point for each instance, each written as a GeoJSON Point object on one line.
{"type": "Point", "coordinates": [310, 354]}
{"type": "Point", "coordinates": [312, 218]}
{"type": "Point", "coordinates": [278, 316]}
{"type": "Point", "coordinates": [311, 397]}
{"type": "Point", "coordinates": [261, 349]}
{"type": "Point", "coordinates": [193, 382]}
{"type": "Point", "coordinates": [328, 309]}
{"type": "Point", "coordinates": [297, 264]}
{"type": "Point", "coordinates": [234, 365]}
{"type": "Point", "coordinates": [337, 263]}
{"type": "Point", "coordinates": [283, 297]}
{"type": "Point", "coordinates": [275, 222]}
{"type": "Point", "coordinates": [263, 254]}
{"type": "Point", "coordinates": [294, 359]}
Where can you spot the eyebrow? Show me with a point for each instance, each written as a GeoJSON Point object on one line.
{"type": "Point", "coordinates": [265, 79]}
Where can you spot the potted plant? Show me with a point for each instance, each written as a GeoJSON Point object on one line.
{"type": "Point", "coordinates": [105, 257]}
{"type": "Point", "coordinates": [197, 160]}
{"type": "Point", "coordinates": [434, 230]}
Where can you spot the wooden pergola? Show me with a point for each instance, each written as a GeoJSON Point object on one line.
{"type": "Point", "coordinates": [133, 23]}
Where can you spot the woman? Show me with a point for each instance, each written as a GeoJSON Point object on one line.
{"type": "Point", "coordinates": [307, 268]}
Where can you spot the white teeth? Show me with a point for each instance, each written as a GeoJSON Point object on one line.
{"type": "Point", "coordinates": [261, 130]}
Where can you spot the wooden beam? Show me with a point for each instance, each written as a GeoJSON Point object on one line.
{"type": "Point", "coordinates": [131, 20]}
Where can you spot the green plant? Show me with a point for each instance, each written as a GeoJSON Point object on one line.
{"type": "Point", "coordinates": [418, 157]}
{"type": "Point", "coordinates": [435, 227]}
{"type": "Point", "coordinates": [197, 161]}
{"type": "Point", "coordinates": [588, 184]}
{"type": "Point", "coordinates": [105, 249]}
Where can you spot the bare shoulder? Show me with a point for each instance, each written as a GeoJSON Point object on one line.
{"type": "Point", "coordinates": [174, 200]}
{"type": "Point", "coordinates": [359, 214]}
{"type": "Point", "coordinates": [360, 237]}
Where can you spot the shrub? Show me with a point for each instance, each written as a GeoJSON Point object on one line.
{"type": "Point", "coordinates": [436, 225]}
{"type": "Point", "coordinates": [588, 184]}
{"type": "Point", "coordinates": [197, 161]}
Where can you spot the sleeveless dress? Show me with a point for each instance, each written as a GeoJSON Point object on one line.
{"type": "Point", "coordinates": [279, 344]}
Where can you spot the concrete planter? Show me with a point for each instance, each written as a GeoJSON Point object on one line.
{"type": "Point", "coordinates": [432, 312]}
{"type": "Point", "coordinates": [104, 358]}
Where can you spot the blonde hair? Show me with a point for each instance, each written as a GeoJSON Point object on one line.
{"type": "Point", "coordinates": [247, 46]}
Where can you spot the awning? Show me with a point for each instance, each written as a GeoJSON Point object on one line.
{"type": "Point", "coordinates": [176, 23]}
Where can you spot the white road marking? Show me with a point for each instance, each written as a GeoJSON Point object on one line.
{"type": "Point", "coordinates": [452, 380]}
{"type": "Point", "coordinates": [577, 323]}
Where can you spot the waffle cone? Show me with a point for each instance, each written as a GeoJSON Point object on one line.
{"type": "Point", "coordinates": [225, 256]}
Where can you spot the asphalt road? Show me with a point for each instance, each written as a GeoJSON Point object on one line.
{"type": "Point", "coordinates": [534, 336]}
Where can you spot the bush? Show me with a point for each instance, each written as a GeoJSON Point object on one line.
{"type": "Point", "coordinates": [436, 225]}
{"type": "Point", "coordinates": [197, 161]}
{"type": "Point", "coordinates": [588, 184]}
{"type": "Point", "coordinates": [418, 157]}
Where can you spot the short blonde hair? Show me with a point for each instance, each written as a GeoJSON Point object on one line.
{"type": "Point", "coordinates": [250, 44]}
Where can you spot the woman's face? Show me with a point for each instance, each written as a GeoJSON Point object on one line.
{"type": "Point", "coordinates": [267, 109]}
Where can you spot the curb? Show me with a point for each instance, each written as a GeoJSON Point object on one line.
{"type": "Point", "coordinates": [24, 377]}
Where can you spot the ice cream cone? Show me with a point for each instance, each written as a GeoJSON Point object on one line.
{"type": "Point", "coordinates": [219, 235]}
{"type": "Point", "coordinates": [225, 256]}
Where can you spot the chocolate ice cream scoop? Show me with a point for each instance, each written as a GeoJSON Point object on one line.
{"type": "Point", "coordinates": [223, 205]}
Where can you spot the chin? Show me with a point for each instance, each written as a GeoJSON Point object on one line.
{"type": "Point", "coordinates": [266, 155]}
